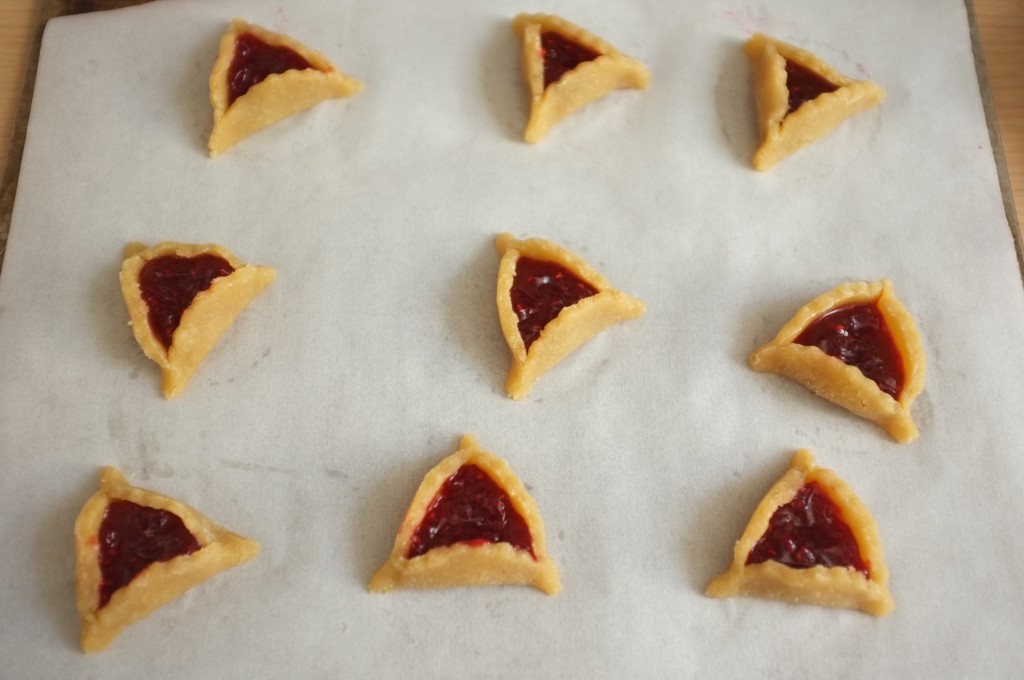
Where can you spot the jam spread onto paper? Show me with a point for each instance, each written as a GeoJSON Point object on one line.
{"type": "Point", "coordinates": [540, 290]}
{"type": "Point", "coordinates": [858, 336]}
{"type": "Point", "coordinates": [470, 508]}
{"type": "Point", "coordinates": [255, 60]}
{"type": "Point", "coordinates": [132, 537]}
{"type": "Point", "coordinates": [562, 55]}
{"type": "Point", "coordinates": [809, 531]}
{"type": "Point", "coordinates": [169, 284]}
{"type": "Point", "coordinates": [804, 85]}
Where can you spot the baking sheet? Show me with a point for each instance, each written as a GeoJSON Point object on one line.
{"type": "Point", "coordinates": [312, 422]}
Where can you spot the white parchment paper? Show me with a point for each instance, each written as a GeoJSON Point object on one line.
{"type": "Point", "coordinates": [311, 424]}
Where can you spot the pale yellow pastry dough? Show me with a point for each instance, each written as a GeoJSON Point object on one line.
{"type": "Point", "coordinates": [464, 564]}
{"type": "Point", "coordinates": [211, 313]}
{"type": "Point", "coordinates": [783, 133]}
{"type": "Point", "coordinates": [588, 81]}
{"type": "Point", "coordinates": [278, 96]}
{"type": "Point", "coordinates": [157, 584]}
{"type": "Point", "coordinates": [573, 326]}
{"type": "Point", "coordinates": [818, 585]}
{"type": "Point", "coordinates": [841, 383]}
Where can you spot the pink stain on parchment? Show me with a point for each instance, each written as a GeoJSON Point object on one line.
{"type": "Point", "coordinates": [753, 20]}
{"type": "Point", "coordinates": [746, 23]}
{"type": "Point", "coordinates": [280, 19]}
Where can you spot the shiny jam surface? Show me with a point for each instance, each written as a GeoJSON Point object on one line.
{"type": "Point", "coordinates": [134, 536]}
{"type": "Point", "coordinates": [808, 531]}
{"type": "Point", "coordinates": [562, 55]}
{"type": "Point", "coordinates": [470, 508]}
{"type": "Point", "coordinates": [170, 283]}
{"type": "Point", "coordinates": [804, 85]}
{"type": "Point", "coordinates": [857, 335]}
{"type": "Point", "coordinates": [255, 60]}
{"type": "Point", "coordinates": [540, 290]}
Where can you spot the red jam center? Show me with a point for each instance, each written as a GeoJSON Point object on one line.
{"type": "Point", "coordinates": [540, 290]}
{"type": "Point", "coordinates": [804, 85]}
{"type": "Point", "coordinates": [857, 335]}
{"type": "Point", "coordinates": [255, 60]}
{"type": "Point", "coordinates": [132, 537]}
{"type": "Point", "coordinates": [562, 55]}
{"type": "Point", "coordinates": [808, 531]}
{"type": "Point", "coordinates": [470, 508]}
{"type": "Point", "coordinates": [170, 283]}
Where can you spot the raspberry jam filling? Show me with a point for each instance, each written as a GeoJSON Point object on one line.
{"type": "Point", "coordinates": [804, 85]}
{"type": "Point", "coordinates": [169, 284]}
{"type": "Point", "coordinates": [808, 531]}
{"type": "Point", "coordinates": [562, 55]}
{"type": "Point", "coordinates": [858, 336]}
{"type": "Point", "coordinates": [470, 508]}
{"type": "Point", "coordinates": [255, 60]}
{"type": "Point", "coordinates": [540, 290]}
{"type": "Point", "coordinates": [132, 537]}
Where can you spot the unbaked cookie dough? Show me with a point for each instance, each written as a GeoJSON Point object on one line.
{"type": "Point", "coordinates": [799, 98]}
{"type": "Point", "coordinates": [136, 550]}
{"type": "Point", "coordinates": [471, 523]}
{"type": "Point", "coordinates": [858, 347]}
{"type": "Point", "coordinates": [181, 298]}
{"type": "Point", "coordinates": [810, 541]}
{"type": "Point", "coordinates": [567, 67]}
{"type": "Point", "coordinates": [549, 303]}
{"type": "Point", "coordinates": [261, 77]}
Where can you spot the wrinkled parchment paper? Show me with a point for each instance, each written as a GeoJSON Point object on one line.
{"type": "Point", "coordinates": [311, 424]}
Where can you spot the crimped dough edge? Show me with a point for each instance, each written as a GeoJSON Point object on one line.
{"type": "Point", "coordinates": [273, 99]}
{"type": "Point", "coordinates": [845, 385]}
{"type": "Point", "coordinates": [823, 586]}
{"type": "Point", "coordinates": [587, 82]}
{"type": "Point", "coordinates": [573, 326]}
{"type": "Point", "coordinates": [158, 583]}
{"type": "Point", "coordinates": [783, 134]}
{"type": "Point", "coordinates": [204, 321]}
{"type": "Point", "coordinates": [469, 565]}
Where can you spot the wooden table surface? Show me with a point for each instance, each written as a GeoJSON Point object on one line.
{"type": "Point", "coordinates": [1000, 24]}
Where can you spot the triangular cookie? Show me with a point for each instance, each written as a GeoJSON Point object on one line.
{"type": "Point", "coordinates": [858, 347]}
{"type": "Point", "coordinates": [261, 77]}
{"type": "Point", "coordinates": [181, 298]}
{"type": "Point", "coordinates": [799, 98]}
{"type": "Point", "coordinates": [810, 541]}
{"type": "Point", "coordinates": [549, 303]}
{"type": "Point", "coordinates": [471, 523]}
{"type": "Point", "coordinates": [567, 67]}
{"type": "Point", "coordinates": [136, 550]}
